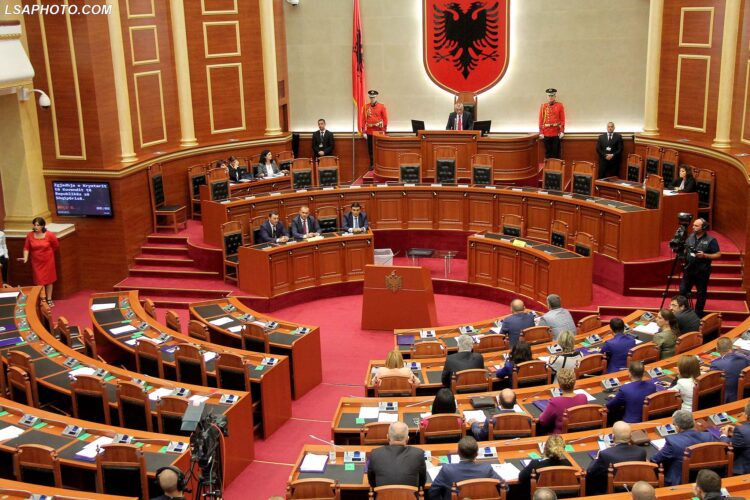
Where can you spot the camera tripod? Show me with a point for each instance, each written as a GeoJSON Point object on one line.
{"type": "Point", "coordinates": [678, 258]}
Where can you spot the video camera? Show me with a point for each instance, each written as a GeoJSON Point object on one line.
{"type": "Point", "coordinates": [204, 441]}
{"type": "Point", "coordinates": [677, 243]}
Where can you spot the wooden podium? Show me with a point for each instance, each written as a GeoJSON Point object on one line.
{"type": "Point", "coordinates": [397, 297]}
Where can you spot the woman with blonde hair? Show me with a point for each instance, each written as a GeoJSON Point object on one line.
{"type": "Point", "coordinates": [554, 455]}
{"type": "Point", "coordinates": [689, 369]}
{"type": "Point", "coordinates": [394, 365]}
{"type": "Point", "coordinates": [552, 416]}
{"type": "Point", "coordinates": [569, 357]}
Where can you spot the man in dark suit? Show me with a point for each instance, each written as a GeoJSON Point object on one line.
{"type": "Point", "coordinates": [507, 404]}
{"type": "Point", "coordinates": [322, 140]}
{"type": "Point", "coordinates": [731, 363]}
{"type": "Point", "coordinates": [672, 453]}
{"type": "Point", "coordinates": [631, 395]}
{"type": "Point", "coordinates": [467, 468]}
{"type": "Point", "coordinates": [464, 359]}
{"type": "Point", "coordinates": [739, 436]}
{"type": "Point", "coordinates": [304, 225]}
{"type": "Point", "coordinates": [514, 324]}
{"type": "Point", "coordinates": [459, 119]}
{"type": "Point", "coordinates": [622, 451]}
{"type": "Point", "coordinates": [356, 220]}
{"type": "Point", "coordinates": [609, 149]}
{"type": "Point", "coordinates": [272, 230]}
{"type": "Point", "coordinates": [616, 349]}
{"type": "Point", "coordinates": [397, 463]}
{"type": "Point", "coordinates": [687, 320]}
{"type": "Point", "coordinates": [708, 486]}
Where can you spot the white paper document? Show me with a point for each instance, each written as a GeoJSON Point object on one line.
{"type": "Point", "coordinates": [122, 329]}
{"type": "Point", "coordinates": [477, 415]}
{"type": "Point", "coordinates": [10, 432]}
{"type": "Point", "coordinates": [221, 321]}
{"type": "Point", "coordinates": [6, 295]}
{"type": "Point", "coordinates": [658, 443]}
{"type": "Point", "coordinates": [507, 471]}
{"type": "Point", "coordinates": [158, 393]}
{"type": "Point", "coordinates": [313, 463]}
{"type": "Point", "coordinates": [369, 412]}
{"type": "Point", "coordinates": [387, 417]}
{"type": "Point", "coordinates": [433, 471]}
{"type": "Point", "coordinates": [235, 329]}
{"type": "Point", "coordinates": [103, 307]}
{"type": "Point", "coordinates": [650, 328]}
{"type": "Point", "coordinates": [589, 397]}
{"type": "Point", "coordinates": [209, 356]}
{"type": "Point", "coordinates": [197, 399]}
{"type": "Point", "coordinates": [84, 370]}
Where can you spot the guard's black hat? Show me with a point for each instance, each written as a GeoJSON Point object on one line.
{"type": "Point", "coordinates": [551, 91]}
{"type": "Point", "coordinates": [372, 93]}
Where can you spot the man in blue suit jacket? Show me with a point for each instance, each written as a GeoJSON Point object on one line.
{"type": "Point", "coordinates": [272, 230]}
{"type": "Point", "coordinates": [739, 436]}
{"type": "Point", "coordinates": [304, 225]}
{"type": "Point", "coordinates": [356, 220]}
{"type": "Point", "coordinates": [632, 394]}
{"type": "Point", "coordinates": [514, 324]}
{"type": "Point", "coordinates": [617, 348]}
{"type": "Point", "coordinates": [731, 363]}
{"type": "Point", "coordinates": [467, 468]}
{"type": "Point", "coordinates": [622, 451]}
{"type": "Point", "coordinates": [671, 455]}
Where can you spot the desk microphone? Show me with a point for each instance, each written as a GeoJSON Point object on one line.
{"type": "Point", "coordinates": [536, 394]}
{"type": "Point", "coordinates": [329, 443]}
{"type": "Point", "coordinates": [417, 403]}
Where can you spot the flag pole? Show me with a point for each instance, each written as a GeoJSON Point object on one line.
{"type": "Point", "coordinates": [354, 132]}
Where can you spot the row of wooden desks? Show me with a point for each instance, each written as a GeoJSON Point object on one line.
{"type": "Point", "coordinates": [120, 322]}
{"type": "Point", "coordinates": [300, 343]}
{"type": "Point", "coordinates": [16, 490]}
{"type": "Point", "coordinates": [54, 365]}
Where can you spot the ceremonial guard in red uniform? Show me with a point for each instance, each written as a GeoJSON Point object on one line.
{"type": "Point", "coordinates": [551, 124]}
{"type": "Point", "coordinates": [376, 119]}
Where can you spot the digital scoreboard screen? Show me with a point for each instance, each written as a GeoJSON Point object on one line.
{"type": "Point", "coordinates": [82, 199]}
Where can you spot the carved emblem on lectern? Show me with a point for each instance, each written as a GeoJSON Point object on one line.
{"type": "Point", "coordinates": [393, 282]}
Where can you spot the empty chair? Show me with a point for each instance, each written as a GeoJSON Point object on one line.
{"type": "Point", "coordinates": [705, 181]}
{"type": "Point", "coordinates": [196, 179]}
{"type": "Point", "coordinates": [476, 380]}
{"type": "Point", "coordinates": [589, 323]}
{"type": "Point", "coordinates": [149, 307]}
{"type": "Point", "coordinates": [90, 399]}
{"type": "Point", "coordinates": [513, 225]}
{"type": "Point", "coordinates": [445, 164]}
{"type": "Point", "coordinates": [374, 433]}
{"type": "Point", "coordinates": [69, 335]}
{"type": "Point", "coordinates": [492, 343]}
{"type": "Point", "coordinates": [121, 470]}
{"type": "Point", "coordinates": [584, 244]}
{"type": "Point", "coordinates": [593, 364]}
{"type": "Point", "coordinates": [622, 476]}
{"type": "Point", "coordinates": [430, 349]}
{"type": "Point", "coordinates": [710, 326]}
{"type": "Point", "coordinates": [284, 160]}
{"type": "Point", "coordinates": [553, 175]}
{"type": "Point", "coordinates": [653, 160]}
{"type": "Point", "coordinates": [169, 412]}
{"type": "Point", "coordinates": [688, 341]}
{"type": "Point", "coordinates": [394, 386]}
{"type": "Point", "coordinates": [328, 171]}
{"type": "Point", "coordinates": [441, 428]}
{"type": "Point", "coordinates": [165, 216]}
{"type": "Point", "coordinates": [669, 162]}
{"type": "Point", "coordinates": [19, 387]}
{"type": "Point", "coordinates": [89, 343]}
{"type": "Point", "coordinates": [302, 173]}
{"type": "Point", "coordinates": [410, 168]}
{"type": "Point", "coordinates": [716, 456]}
{"type": "Point", "coordinates": [231, 235]}
{"type": "Point", "coordinates": [133, 406]}
{"type": "Point", "coordinates": [482, 166]}
{"type": "Point", "coordinates": [654, 189]}
{"type": "Point", "coordinates": [21, 360]}
{"type": "Point", "coordinates": [536, 335]}
{"type": "Point", "coordinates": [709, 390]}
{"type": "Point", "coordinates": [328, 218]}
{"type": "Point", "coordinates": [190, 365]}
{"type": "Point", "coordinates": [531, 373]}
{"type": "Point", "coordinates": [198, 330]}
{"type": "Point", "coordinates": [584, 417]}
{"type": "Point", "coordinates": [661, 404]}
{"type": "Point", "coordinates": [37, 464]}
{"type": "Point", "coordinates": [231, 372]}
{"type": "Point", "coordinates": [743, 384]}
{"type": "Point", "coordinates": [315, 488]}
{"type": "Point", "coordinates": [173, 321]}
{"type": "Point", "coordinates": [255, 338]}
{"type": "Point", "coordinates": [558, 234]}
{"type": "Point", "coordinates": [148, 359]}
{"type": "Point", "coordinates": [583, 178]}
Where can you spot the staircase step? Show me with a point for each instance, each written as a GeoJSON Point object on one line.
{"type": "Point", "coordinates": [730, 257]}
{"type": "Point", "coordinates": [721, 280]}
{"type": "Point", "coordinates": [174, 292]}
{"type": "Point", "coordinates": [164, 261]}
{"type": "Point", "coordinates": [167, 239]}
{"type": "Point", "coordinates": [713, 293]}
{"type": "Point", "coordinates": [164, 249]}
{"type": "Point", "coordinates": [178, 273]}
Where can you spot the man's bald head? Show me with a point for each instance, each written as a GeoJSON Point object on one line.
{"type": "Point", "coordinates": [643, 491]}
{"type": "Point", "coordinates": [507, 399]}
{"type": "Point", "coordinates": [168, 480]}
{"type": "Point", "coordinates": [621, 431]}
{"type": "Point", "coordinates": [398, 433]}
{"type": "Point", "coordinates": [517, 306]}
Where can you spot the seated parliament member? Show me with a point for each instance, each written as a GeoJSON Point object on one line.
{"type": "Point", "coordinates": [466, 468]}
{"type": "Point", "coordinates": [544, 494]}
{"type": "Point", "coordinates": [304, 225]}
{"type": "Point", "coordinates": [569, 357]}
{"type": "Point", "coordinates": [266, 167]}
{"type": "Point", "coordinates": [731, 363]}
{"type": "Point", "coordinates": [459, 119]}
{"type": "Point", "coordinates": [708, 486]}
{"type": "Point", "coordinates": [481, 431]}
{"type": "Point", "coordinates": [622, 451]}
{"type": "Point", "coordinates": [739, 436]}
{"type": "Point", "coordinates": [554, 456]}
{"type": "Point", "coordinates": [464, 359]}
{"type": "Point", "coordinates": [552, 416]}
{"type": "Point", "coordinates": [443, 404]}
{"type": "Point", "coordinates": [643, 491]}
{"type": "Point", "coordinates": [171, 481]}
{"type": "Point", "coordinates": [519, 354]}
{"type": "Point", "coordinates": [687, 181]}
{"type": "Point", "coordinates": [322, 140]}
{"type": "Point", "coordinates": [356, 220]}
{"type": "Point", "coordinates": [394, 365]}
{"type": "Point", "coordinates": [631, 395]}
{"type": "Point", "coordinates": [558, 319]}
{"type": "Point", "coordinates": [514, 324]}
{"type": "Point", "coordinates": [687, 320]}
{"type": "Point", "coordinates": [272, 230]}
{"type": "Point", "coordinates": [673, 451]}
{"type": "Point", "coordinates": [666, 337]}
{"type": "Point", "coordinates": [689, 369]}
{"type": "Point", "coordinates": [616, 349]}
{"type": "Point", "coordinates": [397, 463]}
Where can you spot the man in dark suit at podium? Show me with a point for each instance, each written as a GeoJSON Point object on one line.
{"type": "Point", "coordinates": [272, 230]}
{"type": "Point", "coordinates": [459, 119]}
{"type": "Point", "coordinates": [356, 220]}
{"type": "Point", "coordinates": [304, 225]}
{"type": "Point", "coordinates": [464, 359]}
{"type": "Point", "coordinates": [609, 149]}
{"type": "Point", "coordinates": [322, 140]}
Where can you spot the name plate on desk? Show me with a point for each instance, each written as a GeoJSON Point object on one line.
{"type": "Point", "coordinates": [490, 187]}
{"type": "Point", "coordinates": [519, 243]}
{"type": "Point", "coordinates": [355, 457]}
{"type": "Point", "coordinates": [355, 186]}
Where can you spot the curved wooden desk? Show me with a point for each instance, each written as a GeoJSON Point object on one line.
{"type": "Point", "coordinates": [270, 384]}
{"type": "Point", "coordinates": [515, 155]}
{"type": "Point", "coordinates": [16, 490]}
{"type": "Point", "coordinates": [259, 186]}
{"type": "Point", "coordinates": [301, 343]}
{"type": "Point", "coordinates": [534, 270]}
{"type": "Point", "coordinates": [273, 269]}
{"type": "Point", "coordinates": [623, 232]}
{"type": "Point", "coordinates": [77, 471]}
{"type": "Point", "coordinates": [49, 357]}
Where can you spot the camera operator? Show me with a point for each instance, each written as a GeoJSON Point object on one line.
{"type": "Point", "coordinates": [700, 249]}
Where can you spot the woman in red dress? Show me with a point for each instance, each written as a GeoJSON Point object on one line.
{"type": "Point", "coordinates": [41, 245]}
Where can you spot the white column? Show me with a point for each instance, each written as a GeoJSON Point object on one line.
{"type": "Point", "coordinates": [122, 97]}
{"type": "Point", "coordinates": [270, 78]}
{"type": "Point", "coordinates": [653, 61]}
{"type": "Point", "coordinates": [726, 75]}
{"type": "Point", "coordinates": [182, 72]}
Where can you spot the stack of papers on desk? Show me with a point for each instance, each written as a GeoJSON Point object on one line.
{"type": "Point", "coordinates": [313, 463]}
{"type": "Point", "coordinates": [433, 470]}
{"type": "Point", "coordinates": [742, 344]}
{"type": "Point", "coordinates": [197, 399]}
{"type": "Point", "coordinates": [507, 471]}
{"type": "Point", "coordinates": [235, 329]}
{"type": "Point", "coordinates": [158, 393]}
{"type": "Point", "coordinates": [10, 432]}
{"type": "Point", "coordinates": [649, 328]}
{"type": "Point", "coordinates": [84, 370]}
{"type": "Point", "coordinates": [658, 443]}
{"type": "Point", "coordinates": [221, 321]}
{"type": "Point", "coordinates": [477, 415]}
{"type": "Point", "coordinates": [122, 329]}
{"type": "Point", "coordinates": [387, 417]}
{"type": "Point", "coordinates": [103, 307]}
{"type": "Point", "coordinates": [370, 412]}
{"type": "Point", "coordinates": [589, 397]}
{"type": "Point", "coordinates": [90, 450]}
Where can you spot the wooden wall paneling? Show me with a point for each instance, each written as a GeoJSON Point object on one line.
{"type": "Point", "coordinates": [527, 278]}
{"type": "Point", "coordinates": [542, 281]}
{"type": "Point", "coordinates": [568, 214]}
{"type": "Point", "coordinates": [481, 264]}
{"type": "Point", "coordinates": [538, 219]}
{"type": "Point", "coordinates": [481, 212]}
{"type": "Point", "coordinates": [330, 263]}
{"type": "Point", "coordinates": [390, 210]}
{"type": "Point", "coordinates": [303, 267]}
{"type": "Point", "coordinates": [420, 207]}
{"type": "Point", "coordinates": [358, 254]}
{"type": "Point", "coordinates": [342, 149]}
{"type": "Point", "coordinates": [508, 270]}
{"type": "Point", "coordinates": [281, 274]}
{"type": "Point", "coordinates": [450, 211]}
{"type": "Point", "coordinates": [590, 221]}
{"type": "Point", "coordinates": [508, 205]}
{"type": "Point", "coordinates": [610, 236]}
